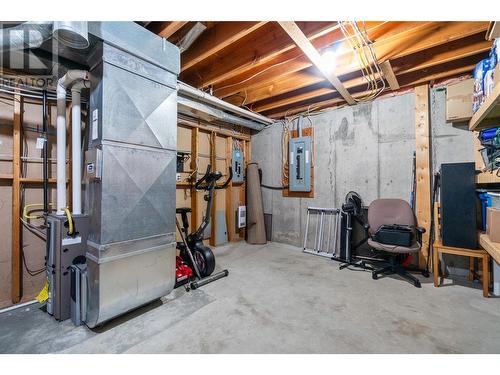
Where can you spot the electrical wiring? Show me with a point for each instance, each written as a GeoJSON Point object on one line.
{"type": "Point", "coordinates": [33, 229]}
{"type": "Point", "coordinates": [285, 137]}
{"type": "Point", "coordinates": [286, 62]}
{"type": "Point", "coordinates": [257, 74]}
{"type": "Point", "coordinates": [30, 271]}
{"type": "Point", "coordinates": [370, 68]}
{"type": "Point", "coordinates": [237, 145]}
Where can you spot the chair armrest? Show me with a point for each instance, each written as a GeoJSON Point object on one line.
{"type": "Point", "coordinates": [420, 230]}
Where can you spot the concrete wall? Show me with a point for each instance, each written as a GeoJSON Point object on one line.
{"type": "Point", "coordinates": [367, 148]}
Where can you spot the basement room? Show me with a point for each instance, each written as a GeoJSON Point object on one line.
{"type": "Point", "coordinates": [294, 185]}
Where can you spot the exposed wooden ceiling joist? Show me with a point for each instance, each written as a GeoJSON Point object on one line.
{"type": "Point", "coordinates": [385, 45]}
{"type": "Point", "coordinates": [456, 49]}
{"type": "Point", "coordinates": [282, 85]}
{"type": "Point", "coordinates": [167, 29]}
{"type": "Point", "coordinates": [255, 49]}
{"type": "Point", "coordinates": [312, 53]}
{"type": "Point", "coordinates": [258, 65]}
{"type": "Point", "coordinates": [408, 77]}
{"type": "Point", "coordinates": [389, 75]}
{"type": "Point", "coordinates": [406, 80]}
{"type": "Point", "coordinates": [215, 39]}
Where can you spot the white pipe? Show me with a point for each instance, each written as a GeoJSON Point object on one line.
{"type": "Point", "coordinates": [61, 148]}
{"type": "Point", "coordinates": [76, 138]}
{"type": "Point", "coordinates": [64, 82]}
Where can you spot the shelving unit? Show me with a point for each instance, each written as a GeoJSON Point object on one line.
{"type": "Point", "coordinates": [484, 177]}
{"type": "Point", "coordinates": [493, 248]}
{"type": "Point", "coordinates": [488, 115]}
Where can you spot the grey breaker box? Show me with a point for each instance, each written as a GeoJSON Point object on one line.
{"type": "Point", "coordinates": [237, 165]}
{"type": "Point", "coordinates": [300, 164]}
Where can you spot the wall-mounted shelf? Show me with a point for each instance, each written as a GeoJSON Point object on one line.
{"type": "Point", "coordinates": [487, 178]}
{"type": "Point", "coordinates": [488, 115]}
{"type": "Point", "coordinates": [493, 248]}
{"type": "Point", "coordinates": [483, 177]}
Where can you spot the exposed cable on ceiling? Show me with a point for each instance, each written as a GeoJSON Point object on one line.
{"type": "Point", "coordinates": [367, 59]}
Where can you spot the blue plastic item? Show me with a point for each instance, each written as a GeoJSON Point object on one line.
{"type": "Point", "coordinates": [478, 74]}
{"type": "Point", "coordinates": [485, 199]}
{"type": "Point", "coordinates": [488, 134]}
{"type": "Point", "coordinates": [494, 54]}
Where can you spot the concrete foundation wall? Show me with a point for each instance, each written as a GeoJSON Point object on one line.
{"type": "Point", "coordinates": [367, 148]}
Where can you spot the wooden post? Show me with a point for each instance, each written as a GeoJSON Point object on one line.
{"type": "Point", "coordinates": [423, 170]}
{"type": "Point", "coordinates": [213, 161]}
{"type": "Point", "coordinates": [246, 159]}
{"type": "Point", "coordinates": [194, 167]}
{"type": "Point", "coordinates": [16, 262]}
{"type": "Point", "coordinates": [229, 192]}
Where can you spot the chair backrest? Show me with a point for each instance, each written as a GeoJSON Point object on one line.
{"type": "Point", "coordinates": [388, 212]}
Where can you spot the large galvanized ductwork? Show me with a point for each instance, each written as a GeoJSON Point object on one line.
{"type": "Point", "coordinates": [130, 171]}
{"type": "Point", "coordinates": [73, 34]}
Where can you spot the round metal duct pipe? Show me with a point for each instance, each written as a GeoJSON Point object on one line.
{"type": "Point", "coordinates": [73, 34]}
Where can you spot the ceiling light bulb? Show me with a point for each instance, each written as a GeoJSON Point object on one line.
{"type": "Point", "coordinates": [329, 58]}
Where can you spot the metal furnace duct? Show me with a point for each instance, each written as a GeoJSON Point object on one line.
{"type": "Point", "coordinates": [130, 167]}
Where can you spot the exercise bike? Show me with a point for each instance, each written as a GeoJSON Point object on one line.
{"type": "Point", "coordinates": [196, 260]}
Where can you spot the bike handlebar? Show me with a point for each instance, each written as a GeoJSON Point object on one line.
{"type": "Point", "coordinates": [224, 185]}
{"type": "Point", "coordinates": [211, 179]}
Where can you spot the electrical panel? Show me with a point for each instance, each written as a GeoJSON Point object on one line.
{"type": "Point", "coordinates": [182, 157]}
{"type": "Point", "coordinates": [237, 165]}
{"type": "Point", "coordinates": [241, 217]}
{"type": "Point", "coordinates": [300, 164]}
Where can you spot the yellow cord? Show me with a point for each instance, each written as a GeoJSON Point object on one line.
{"type": "Point", "coordinates": [25, 211]}
{"type": "Point", "coordinates": [70, 221]}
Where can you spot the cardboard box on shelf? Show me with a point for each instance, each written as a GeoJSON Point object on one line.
{"type": "Point", "coordinates": [493, 224]}
{"type": "Point", "coordinates": [459, 101]}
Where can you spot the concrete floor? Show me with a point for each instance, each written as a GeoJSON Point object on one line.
{"type": "Point", "coordinates": [279, 300]}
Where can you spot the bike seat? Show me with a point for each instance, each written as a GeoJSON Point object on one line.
{"type": "Point", "coordinates": [182, 210]}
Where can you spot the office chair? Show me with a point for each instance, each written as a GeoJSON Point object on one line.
{"type": "Point", "coordinates": [390, 212]}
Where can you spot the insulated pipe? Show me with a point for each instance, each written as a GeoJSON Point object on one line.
{"type": "Point", "coordinates": [191, 107]}
{"type": "Point", "coordinates": [64, 82]}
{"type": "Point", "coordinates": [216, 102]}
{"type": "Point", "coordinates": [76, 138]}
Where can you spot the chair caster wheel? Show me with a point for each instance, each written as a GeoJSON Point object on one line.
{"type": "Point", "coordinates": [425, 273]}
{"type": "Point", "coordinates": [417, 284]}
{"type": "Point", "coordinates": [374, 276]}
